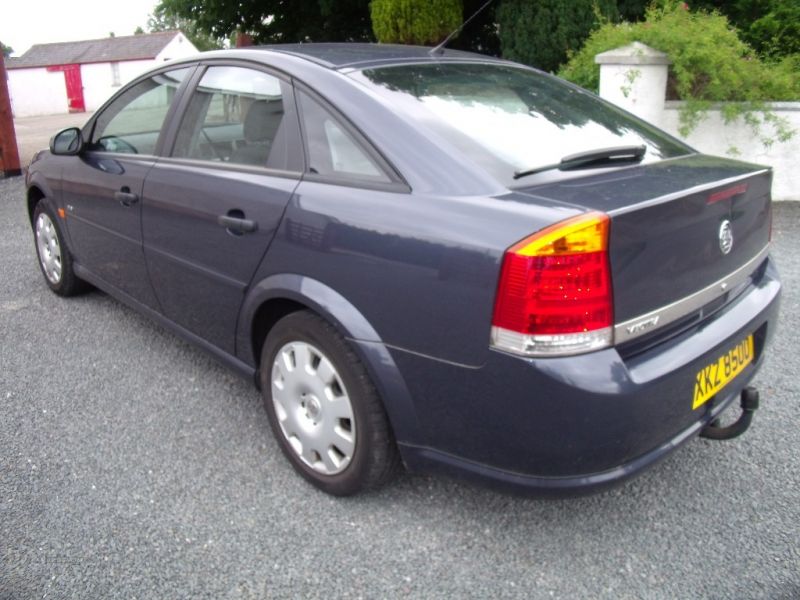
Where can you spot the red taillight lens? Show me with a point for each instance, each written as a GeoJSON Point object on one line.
{"type": "Point", "coordinates": [554, 295]}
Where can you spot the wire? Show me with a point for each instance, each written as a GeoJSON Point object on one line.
{"type": "Point", "coordinates": [440, 48]}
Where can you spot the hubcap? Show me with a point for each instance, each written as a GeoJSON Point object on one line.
{"type": "Point", "coordinates": [313, 408]}
{"type": "Point", "coordinates": [49, 248]}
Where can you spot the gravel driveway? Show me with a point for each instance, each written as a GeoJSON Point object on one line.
{"type": "Point", "coordinates": [34, 133]}
{"type": "Point", "coordinates": [133, 466]}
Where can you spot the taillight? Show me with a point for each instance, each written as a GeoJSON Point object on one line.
{"type": "Point", "coordinates": [554, 295]}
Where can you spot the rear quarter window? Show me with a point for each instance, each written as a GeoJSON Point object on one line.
{"type": "Point", "coordinates": [332, 151]}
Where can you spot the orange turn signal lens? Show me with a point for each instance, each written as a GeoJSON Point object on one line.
{"type": "Point", "coordinates": [62, 213]}
{"type": "Point", "coordinates": [584, 233]}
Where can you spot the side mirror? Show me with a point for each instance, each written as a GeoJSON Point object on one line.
{"type": "Point", "coordinates": [67, 143]}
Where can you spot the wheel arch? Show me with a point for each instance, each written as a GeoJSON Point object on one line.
{"type": "Point", "coordinates": [279, 295]}
{"type": "Point", "coordinates": [33, 196]}
{"type": "Point", "coordinates": [38, 188]}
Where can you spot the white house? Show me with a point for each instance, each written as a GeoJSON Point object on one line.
{"type": "Point", "coordinates": [80, 76]}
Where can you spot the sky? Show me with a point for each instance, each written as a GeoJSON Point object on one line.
{"type": "Point", "coordinates": [24, 23]}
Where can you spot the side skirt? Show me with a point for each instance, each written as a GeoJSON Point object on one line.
{"type": "Point", "coordinates": [233, 363]}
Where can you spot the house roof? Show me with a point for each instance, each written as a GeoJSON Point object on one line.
{"type": "Point", "coordinates": [129, 47]}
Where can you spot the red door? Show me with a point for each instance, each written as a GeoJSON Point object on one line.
{"type": "Point", "coordinates": [72, 77]}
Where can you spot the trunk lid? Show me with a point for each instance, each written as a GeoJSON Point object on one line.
{"type": "Point", "coordinates": [668, 224]}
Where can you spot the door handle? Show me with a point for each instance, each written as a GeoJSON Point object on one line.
{"type": "Point", "coordinates": [237, 225]}
{"type": "Point", "coordinates": [126, 197]}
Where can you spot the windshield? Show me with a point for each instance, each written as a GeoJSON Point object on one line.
{"type": "Point", "coordinates": [510, 119]}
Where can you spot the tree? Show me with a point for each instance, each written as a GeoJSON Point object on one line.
{"type": "Point", "coordinates": [772, 27]}
{"type": "Point", "coordinates": [422, 22]}
{"type": "Point", "coordinates": [161, 20]}
{"type": "Point", "coordinates": [274, 21]}
{"type": "Point", "coordinates": [480, 35]}
{"type": "Point", "coordinates": [632, 10]}
{"type": "Point", "coordinates": [7, 50]}
{"type": "Point", "coordinates": [777, 33]}
{"type": "Point", "coordinates": [544, 33]}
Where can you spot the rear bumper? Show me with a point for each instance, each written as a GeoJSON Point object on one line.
{"type": "Point", "coordinates": [430, 460]}
{"type": "Point", "coordinates": [578, 424]}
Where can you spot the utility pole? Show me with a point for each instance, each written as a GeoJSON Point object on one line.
{"type": "Point", "coordinates": [9, 155]}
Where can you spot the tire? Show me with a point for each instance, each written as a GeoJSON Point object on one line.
{"type": "Point", "coordinates": [323, 408]}
{"type": "Point", "coordinates": [55, 260]}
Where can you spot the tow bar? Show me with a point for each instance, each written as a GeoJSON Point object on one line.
{"type": "Point", "coordinates": [749, 404]}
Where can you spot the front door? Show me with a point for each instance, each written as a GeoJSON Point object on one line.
{"type": "Point", "coordinates": [102, 189]}
{"type": "Point", "coordinates": [211, 210]}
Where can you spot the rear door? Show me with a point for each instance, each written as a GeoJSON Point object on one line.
{"type": "Point", "coordinates": [103, 186]}
{"type": "Point", "coordinates": [212, 206]}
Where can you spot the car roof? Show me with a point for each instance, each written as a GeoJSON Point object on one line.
{"type": "Point", "coordinates": [359, 55]}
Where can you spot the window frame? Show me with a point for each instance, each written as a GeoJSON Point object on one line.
{"type": "Point", "coordinates": [396, 181]}
{"type": "Point", "coordinates": [88, 130]}
{"type": "Point", "coordinates": [296, 134]}
{"type": "Point", "coordinates": [290, 114]}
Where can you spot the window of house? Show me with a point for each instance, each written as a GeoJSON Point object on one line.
{"type": "Point", "coordinates": [115, 81]}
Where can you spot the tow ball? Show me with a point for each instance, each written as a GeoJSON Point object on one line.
{"type": "Point", "coordinates": [749, 404]}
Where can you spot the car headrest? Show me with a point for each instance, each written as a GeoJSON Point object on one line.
{"type": "Point", "coordinates": [262, 120]}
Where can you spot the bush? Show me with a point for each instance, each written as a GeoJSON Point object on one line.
{"type": "Point", "coordinates": [709, 64]}
{"type": "Point", "coordinates": [420, 22]}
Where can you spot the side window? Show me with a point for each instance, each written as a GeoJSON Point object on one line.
{"type": "Point", "coordinates": [236, 115]}
{"type": "Point", "coordinates": [132, 123]}
{"type": "Point", "coordinates": [332, 150]}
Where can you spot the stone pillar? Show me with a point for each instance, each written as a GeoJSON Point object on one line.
{"type": "Point", "coordinates": [634, 77]}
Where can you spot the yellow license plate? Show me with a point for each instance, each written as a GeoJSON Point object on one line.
{"type": "Point", "coordinates": [712, 378]}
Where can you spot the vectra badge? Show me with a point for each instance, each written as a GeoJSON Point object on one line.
{"type": "Point", "coordinates": [725, 237]}
{"type": "Point", "coordinates": [643, 325]}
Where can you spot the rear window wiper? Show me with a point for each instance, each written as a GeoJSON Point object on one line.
{"type": "Point", "coordinates": [592, 157]}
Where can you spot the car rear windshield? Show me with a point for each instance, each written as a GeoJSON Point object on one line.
{"type": "Point", "coordinates": [510, 119]}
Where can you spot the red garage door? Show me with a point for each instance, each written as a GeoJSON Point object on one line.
{"type": "Point", "coordinates": [72, 78]}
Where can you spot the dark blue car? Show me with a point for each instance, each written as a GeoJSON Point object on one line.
{"type": "Point", "coordinates": [427, 258]}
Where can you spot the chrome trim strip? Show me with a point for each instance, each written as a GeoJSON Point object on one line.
{"type": "Point", "coordinates": [656, 319]}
